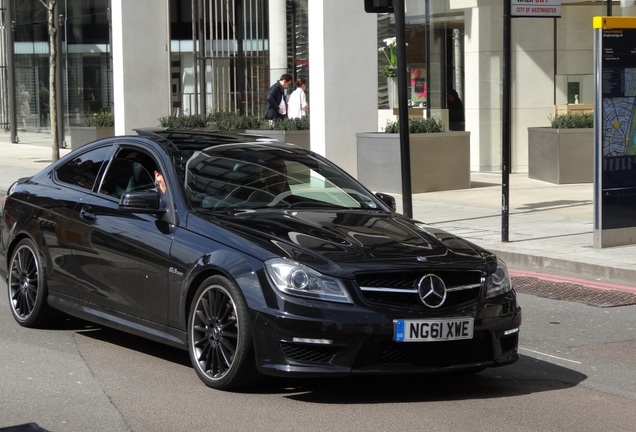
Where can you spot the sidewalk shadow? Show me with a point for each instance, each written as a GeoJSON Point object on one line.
{"type": "Point", "coordinates": [478, 184]}
{"type": "Point", "coordinates": [551, 205]}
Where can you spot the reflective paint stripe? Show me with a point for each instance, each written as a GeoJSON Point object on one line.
{"type": "Point", "coordinates": [549, 355]}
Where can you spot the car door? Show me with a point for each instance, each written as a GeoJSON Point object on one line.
{"type": "Point", "coordinates": [125, 266]}
{"type": "Point", "coordinates": [56, 202]}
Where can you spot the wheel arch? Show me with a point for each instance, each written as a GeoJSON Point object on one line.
{"type": "Point", "coordinates": [13, 244]}
{"type": "Point", "coordinates": [194, 285]}
{"type": "Point", "coordinates": [233, 266]}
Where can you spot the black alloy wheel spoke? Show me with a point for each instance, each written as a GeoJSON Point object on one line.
{"type": "Point", "coordinates": [220, 366]}
{"type": "Point", "coordinates": [215, 333]}
{"type": "Point", "coordinates": [24, 282]}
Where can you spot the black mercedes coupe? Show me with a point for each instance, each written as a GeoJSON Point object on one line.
{"type": "Point", "coordinates": [256, 256]}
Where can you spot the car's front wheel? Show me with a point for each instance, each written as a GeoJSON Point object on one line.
{"type": "Point", "coordinates": [27, 286]}
{"type": "Point", "coordinates": [220, 335]}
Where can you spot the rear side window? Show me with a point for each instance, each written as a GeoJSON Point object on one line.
{"type": "Point", "coordinates": [83, 170]}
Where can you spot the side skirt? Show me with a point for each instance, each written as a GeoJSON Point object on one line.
{"type": "Point", "coordinates": [118, 321]}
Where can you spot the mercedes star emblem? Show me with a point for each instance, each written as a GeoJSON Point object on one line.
{"type": "Point", "coordinates": [432, 291]}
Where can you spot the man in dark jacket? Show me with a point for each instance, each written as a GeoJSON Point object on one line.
{"type": "Point", "coordinates": [275, 108]}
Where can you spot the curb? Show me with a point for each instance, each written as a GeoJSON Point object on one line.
{"type": "Point", "coordinates": [583, 270]}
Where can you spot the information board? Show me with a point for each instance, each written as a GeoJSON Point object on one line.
{"type": "Point", "coordinates": [615, 131]}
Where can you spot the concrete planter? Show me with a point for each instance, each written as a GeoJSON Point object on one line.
{"type": "Point", "coordinates": [561, 156]}
{"type": "Point", "coordinates": [298, 137]}
{"type": "Point", "coordinates": [439, 161]}
{"type": "Point", "coordinates": [81, 135]}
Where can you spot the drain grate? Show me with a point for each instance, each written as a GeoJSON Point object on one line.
{"type": "Point", "coordinates": [572, 292]}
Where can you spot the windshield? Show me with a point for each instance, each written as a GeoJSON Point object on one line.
{"type": "Point", "coordinates": [260, 176]}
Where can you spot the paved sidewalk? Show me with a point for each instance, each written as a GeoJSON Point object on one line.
{"type": "Point", "coordinates": [550, 226]}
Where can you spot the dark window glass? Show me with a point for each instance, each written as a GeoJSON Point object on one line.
{"type": "Point", "coordinates": [83, 170]}
{"type": "Point", "coordinates": [131, 170]}
{"type": "Point", "coordinates": [241, 177]}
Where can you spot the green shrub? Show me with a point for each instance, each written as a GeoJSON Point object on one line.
{"type": "Point", "coordinates": [225, 121]}
{"type": "Point", "coordinates": [287, 124]}
{"type": "Point", "coordinates": [572, 121]}
{"type": "Point", "coordinates": [103, 118]}
{"type": "Point", "coordinates": [416, 125]}
{"type": "Point", "coordinates": [186, 121]}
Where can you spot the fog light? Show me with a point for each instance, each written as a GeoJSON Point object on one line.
{"type": "Point", "coordinates": [511, 331]}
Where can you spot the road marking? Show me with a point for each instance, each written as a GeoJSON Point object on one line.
{"type": "Point", "coordinates": [572, 280]}
{"type": "Point", "coordinates": [549, 355]}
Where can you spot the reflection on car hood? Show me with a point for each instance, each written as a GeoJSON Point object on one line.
{"type": "Point", "coordinates": [352, 238]}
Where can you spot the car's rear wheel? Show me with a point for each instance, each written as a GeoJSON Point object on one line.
{"type": "Point", "coordinates": [220, 335]}
{"type": "Point", "coordinates": [27, 286]}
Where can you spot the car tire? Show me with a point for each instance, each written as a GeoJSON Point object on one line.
{"type": "Point", "coordinates": [220, 335]}
{"type": "Point", "coordinates": [27, 286]}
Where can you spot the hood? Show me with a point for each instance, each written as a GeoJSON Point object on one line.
{"type": "Point", "coordinates": [353, 240]}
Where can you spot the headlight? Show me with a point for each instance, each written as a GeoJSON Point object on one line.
{"type": "Point", "coordinates": [499, 282]}
{"type": "Point", "coordinates": [294, 278]}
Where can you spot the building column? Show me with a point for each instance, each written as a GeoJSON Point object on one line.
{"type": "Point", "coordinates": [343, 78]}
{"type": "Point", "coordinates": [483, 48]}
{"type": "Point", "coordinates": [141, 63]}
{"type": "Point", "coordinates": [277, 40]}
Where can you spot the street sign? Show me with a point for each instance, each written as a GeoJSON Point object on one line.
{"type": "Point", "coordinates": [536, 8]}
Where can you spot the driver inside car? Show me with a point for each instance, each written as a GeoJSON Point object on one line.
{"type": "Point", "coordinates": [274, 181]}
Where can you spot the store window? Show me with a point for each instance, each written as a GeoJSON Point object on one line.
{"type": "Point", "coordinates": [434, 56]}
{"type": "Point", "coordinates": [85, 50]}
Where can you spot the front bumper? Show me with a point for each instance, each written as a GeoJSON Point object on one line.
{"type": "Point", "coordinates": [343, 340]}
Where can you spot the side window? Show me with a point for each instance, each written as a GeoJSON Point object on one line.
{"type": "Point", "coordinates": [83, 170]}
{"type": "Point", "coordinates": [131, 170]}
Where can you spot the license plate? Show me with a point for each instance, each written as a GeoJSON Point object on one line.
{"type": "Point", "coordinates": [432, 330]}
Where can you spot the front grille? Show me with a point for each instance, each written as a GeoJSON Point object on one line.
{"type": "Point", "coordinates": [308, 352]}
{"type": "Point", "coordinates": [425, 354]}
{"type": "Point", "coordinates": [400, 289]}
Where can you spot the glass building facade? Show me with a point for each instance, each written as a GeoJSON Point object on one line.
{"type": "Point", "coordinates": [219, 55]}
{"type": "Point", "coordinates": [86, 70]}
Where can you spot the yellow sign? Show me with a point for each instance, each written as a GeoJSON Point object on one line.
{"type": "Point", "coordinates": [603, 22]}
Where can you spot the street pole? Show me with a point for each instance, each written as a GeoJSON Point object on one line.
{"type": "Point", "coordinates": [405, 149]}
{"type": "Point", "coordinates": [10, 27]}
{"type": "Point", "coordinates": [506, 127]}
{"type": "Point", "coordinates": [427, 43]}
{"type": "Point", "coordinates": [59, 105]}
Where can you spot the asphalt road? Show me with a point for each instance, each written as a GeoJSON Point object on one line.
{"type": "Point", "coordinates": [577, 373]}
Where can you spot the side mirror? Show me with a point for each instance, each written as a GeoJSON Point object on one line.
{"type": "Point", "coordinates": [141, 202]}
{"type": "Point", "coordinates": [387, 199]}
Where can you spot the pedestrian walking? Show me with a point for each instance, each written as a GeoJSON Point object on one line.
{"type": "Point", "coordinates": [24, 106]}
{"type": "Point", "coordinates": [276, 106]}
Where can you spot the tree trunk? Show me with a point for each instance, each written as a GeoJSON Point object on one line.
{"type": "Point", "coordinates": [55, 142]}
